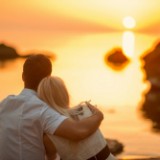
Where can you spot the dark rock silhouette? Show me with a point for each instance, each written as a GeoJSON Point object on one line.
{"type": "Point", "coordinates": [152, 64]}
{"type": "Point", "coordinates": [116, 59]}
{"type": "Point", "coordinates": [7, 52]}
{"type": "Point", "coordinates": [151, 108]}
{"type": "Point", "coordinates": [151, 105]}
{"type": "Point", "coordinates": [115, 146]}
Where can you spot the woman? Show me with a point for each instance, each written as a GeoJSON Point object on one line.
{"type": "Point", "coordinates": [53, 91]}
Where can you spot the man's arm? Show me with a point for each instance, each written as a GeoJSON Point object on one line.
{"type": "Point", "coordinates": [78, 130]}
{"type": "Point", "coordinates": [49, 147]}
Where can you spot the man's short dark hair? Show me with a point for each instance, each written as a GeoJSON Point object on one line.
{"type": "Point", "coordinates": [35, 68]}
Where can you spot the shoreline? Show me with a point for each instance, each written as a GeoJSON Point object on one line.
{"type": "Point", "coordinates": [140, 157]}
{"type": "Point", "coordinates": [155, 158]}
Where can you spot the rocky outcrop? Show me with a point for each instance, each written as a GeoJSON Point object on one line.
{"type": "Point", "coordinates": [151, 108]}
{"type": "Point", "coordinates": [151, 105]}
{"type": "Point", "coordinates": [152, 65]}
{"type": "Point", "coordinates": [7, 52]}
{"type": "Point", "coordinates": [115, 146]}
{"type": "Point", "coordinates": [116, 59]}
{"type": "Point", "coordinates": [10, 53]}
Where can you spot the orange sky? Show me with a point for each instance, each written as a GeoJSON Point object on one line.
{"type": "Point", "coordinates": [36, 23]}
{"type": "Point", "coordinates": [84, 15]}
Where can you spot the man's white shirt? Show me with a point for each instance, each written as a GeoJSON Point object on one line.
{"type": "Point", "coordinates": [23, 121]}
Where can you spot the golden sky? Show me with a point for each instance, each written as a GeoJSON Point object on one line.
{"type": "Point", "coordinates": [75, 15]}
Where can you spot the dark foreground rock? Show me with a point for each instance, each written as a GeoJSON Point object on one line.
{"type": "Point", "coordinates": [7, 52]}
{"type": "Point", "coordinates": [115, 146]}
{"type": "Point", "coordinates": [151, 65]}
{"type": "Point", "coordinates": [151, 105]}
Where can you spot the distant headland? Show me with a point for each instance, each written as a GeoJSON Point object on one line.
{"type": "Point", "coordinates": [10, 53]}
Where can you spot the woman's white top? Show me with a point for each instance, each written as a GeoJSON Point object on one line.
{"type": "Point", "coordinates": [84, 149]}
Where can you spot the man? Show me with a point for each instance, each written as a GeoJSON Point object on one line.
{"type": "Point", "coordinates": [24, 118]}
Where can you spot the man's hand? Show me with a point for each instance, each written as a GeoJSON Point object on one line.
{"type": "Point", "coordinates": [78, 130]}
{"type": "Point", "coordinates": [95, 110]}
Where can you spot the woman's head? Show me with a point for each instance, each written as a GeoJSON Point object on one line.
{"type": "Point", "coordinates": [53, 91]}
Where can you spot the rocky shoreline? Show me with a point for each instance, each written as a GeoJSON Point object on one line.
{"type": "Point", "coordinates": [151, 67]}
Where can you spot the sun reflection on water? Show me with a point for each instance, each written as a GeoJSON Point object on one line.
{"type": "Point", "coordinates": [128, 43]}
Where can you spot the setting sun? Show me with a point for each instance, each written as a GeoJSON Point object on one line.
{"type": "Point", "coordinates": [129, 22]}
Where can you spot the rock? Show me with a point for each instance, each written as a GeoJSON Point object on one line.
{"type": "Point", "coordinates": [116, 58]}
{"type": "Point", "coordinates": [152, 65]}
{"type": "Point", "coordinates": [151, 106]}
{"type": "Point", "coordinates": [7, 52]}
{"type": "Point", "coordinates": [114, 146]}
{"type": "Point", "coordinates": [151, 109]}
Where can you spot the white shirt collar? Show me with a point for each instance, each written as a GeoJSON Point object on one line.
{"type": "Point", "coordinates": [28, 92]}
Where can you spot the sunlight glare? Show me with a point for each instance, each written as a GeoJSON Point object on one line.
{"type": "Point", "coordinates": [129, 22]}
{"type": "Point", "coordinates": [128, 43]}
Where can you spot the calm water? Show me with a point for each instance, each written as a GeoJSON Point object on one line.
{"type": "Point", "coordinates": [119, 94]}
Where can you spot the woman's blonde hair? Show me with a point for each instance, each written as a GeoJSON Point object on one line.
{"type": "Point", "coordinates": [53, 91]}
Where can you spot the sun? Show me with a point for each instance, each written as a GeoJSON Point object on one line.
{"type": "Point", "coordinates": [129, 22]}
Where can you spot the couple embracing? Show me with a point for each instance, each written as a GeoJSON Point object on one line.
{"type": "Point", "coordinates": [38, 124]}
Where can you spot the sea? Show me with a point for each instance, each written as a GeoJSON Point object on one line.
{"type": "Point", "coordinates": [118, 92]}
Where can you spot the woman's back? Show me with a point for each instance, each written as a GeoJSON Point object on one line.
{"type": "Point", "coordinates": [54, 92]}
{"type": "Point", "coordinates": [82, 150]}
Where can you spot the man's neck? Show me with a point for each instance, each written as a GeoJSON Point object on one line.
{"type": "Point", "coordinates": [27, 87]}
